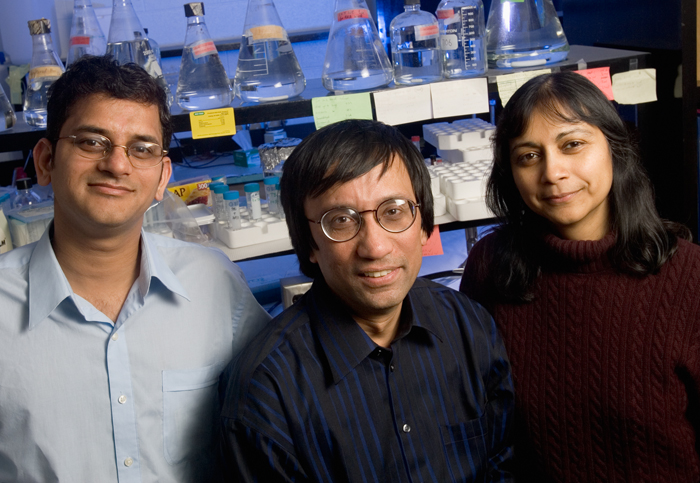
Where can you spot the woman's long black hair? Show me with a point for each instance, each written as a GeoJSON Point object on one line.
{"type": "Point", "coordinates": [644, 242]}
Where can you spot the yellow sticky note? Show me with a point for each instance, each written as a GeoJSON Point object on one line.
{"type": "Point", "coordinates": [635, 86]}
{"type": "Point", "coordinates": [509, 83]}
{"type": "Point", "coordinates": [328, 110]}
{"type": "Point", "coordinates": [213, 123]}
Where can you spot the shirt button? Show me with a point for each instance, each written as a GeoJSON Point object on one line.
{"type": "Point", "coordinates": [128, 462]}
{"type": "Point", "coordinates": [391, 367]}
{"type": "Point", "coordinates": [115, 337]}
{"type": "Point", "coordinates": [406, 428]}
{"type": "Point", "coordinates": [122, 400]}
{"type": "Point", "coordinates": [379, 352]}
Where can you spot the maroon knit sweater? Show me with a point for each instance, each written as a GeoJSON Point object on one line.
{"type": "Point", "coordinates": [606, 366]}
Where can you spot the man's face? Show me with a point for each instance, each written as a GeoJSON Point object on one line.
{"type": "Point", "coordinates": [374, 271]}
{"type": "Point", "coordinates": [98, 195]}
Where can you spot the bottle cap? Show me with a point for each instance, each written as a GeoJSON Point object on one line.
{"type": "Point", "coordinates": [220, 188]}
{"type": "Point", "coordinates": [195, 9]}
{"type": "Point", "coordinates": [231, 195]}
{"type": "Point", "coordinates": [41, 26]}
{"type": "Point", "coordinates": [272, 180]}
{"type": "Point", "coordinates": [214, 184]}
{"type": "Point", "coordinates": [251, 187]}
{"type": "Point", "coordinates": [24, 184]}
{"type": "Point", "coordinates": [411, 2]}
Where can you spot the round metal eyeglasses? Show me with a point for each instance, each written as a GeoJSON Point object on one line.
{"type": "Point", "coordinates": [343, 224]}
{"type": "Point", "coordinates": [141, 154]}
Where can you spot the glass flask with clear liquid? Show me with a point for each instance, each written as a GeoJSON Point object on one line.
{"type": "Point", "coordinates": [355, 57]}
{"type": "Point", "coordinates": [268, 69]}
{"type": "Point", "coordinates": [203, 82]}
{"type": "Point", "coordinates": [7, 113]}
{"type": "Point", "coordinates": [127, 42]}
{"type": "Point", "coordinates": [44, 69]}
{"type": "Point", "coordinates": [86, 36]}
{"type": "Point", "coordinates": [415, 46]}
{"type": "Point", "coordinates": [524, 33]}
{"type": "Point", "coordinates": [462, 38]}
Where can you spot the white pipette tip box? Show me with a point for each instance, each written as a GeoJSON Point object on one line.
{"type": "Point", "coordinates": [464, 187]}
{"type": "Point", "coordinates": [465, 134]}
{"type": "Point", "coordinates": [268, 228]}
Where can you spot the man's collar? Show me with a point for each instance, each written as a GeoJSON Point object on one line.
{"type": "Point", "coordinates": [343, 340]}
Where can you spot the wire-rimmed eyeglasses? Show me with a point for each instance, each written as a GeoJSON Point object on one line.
{"type": "Point", "coordinates": [343, 224]}
{"type": "Point", "coordinates": [141, 154]}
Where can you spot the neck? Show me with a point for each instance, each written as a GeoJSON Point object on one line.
{"type": "Point", "coordinates": [382, 328]}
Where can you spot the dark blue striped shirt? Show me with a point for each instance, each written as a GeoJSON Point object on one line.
{"type": "Point", "coordinates": [313, 398]}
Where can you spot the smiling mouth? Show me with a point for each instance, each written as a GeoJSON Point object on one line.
{"type": "Point", "coordinates": [561, 198]}
{"type": "Point", "coordinates": [381, 273]}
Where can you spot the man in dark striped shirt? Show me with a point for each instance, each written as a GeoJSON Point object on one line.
{"type": "Point", "coordinates": [374, 375]}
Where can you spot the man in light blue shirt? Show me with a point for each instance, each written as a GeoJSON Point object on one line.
{"type": "Point", "coordinates": [112, 340]}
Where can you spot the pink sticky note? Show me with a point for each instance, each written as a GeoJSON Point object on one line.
{"type": "Point", "coordinates": [434, 245]}
{"type": "Point", "coordinates": [601, 78]}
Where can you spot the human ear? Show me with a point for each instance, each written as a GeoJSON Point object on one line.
{"type": "Point", "coordinates": [165, 172]}
{"type": "Point", "coordinates": [43, 161]}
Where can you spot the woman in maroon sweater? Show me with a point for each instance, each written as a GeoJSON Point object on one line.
{"type": "Point", "coordinates": [596, 297]}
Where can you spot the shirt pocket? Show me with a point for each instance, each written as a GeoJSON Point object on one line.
{"type": "Point", "coordinates": [190, 407]}
{"type": "Point", "coordinates": [465, 447]}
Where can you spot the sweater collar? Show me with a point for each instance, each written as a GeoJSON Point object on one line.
{"type": "Point", "coordinates": [575, 255]}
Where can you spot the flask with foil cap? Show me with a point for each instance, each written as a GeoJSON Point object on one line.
{"type": "Point", "coordinates": [355, 57]}
{"type": "Point", "coordinates": [203, 82]}
{"type": "Point", "coordinates": [268, 69]}
{"type": "Point", "coordinates": [524, 33]}
{"type": "Point", "coordinates": [415, 48]}
{"type": "Point", "coordinates": [44, 69]}
{"type": "Point", "coordinates": [86, 36]}
{"type": "Point", "coordinates": [462, 38]}
{"type": "Point", "coordinates": [127, 42]}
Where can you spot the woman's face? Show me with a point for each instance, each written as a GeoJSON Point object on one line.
{"type": "Point", "coordinates": [564, 173]}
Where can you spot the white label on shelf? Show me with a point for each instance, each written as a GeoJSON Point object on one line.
{"type": "Point", "coordinates": [460, 97]}
{"type": "Point", "coordinates": [403, 105]}
{"type": "Point", "coordinates": [635, 86]}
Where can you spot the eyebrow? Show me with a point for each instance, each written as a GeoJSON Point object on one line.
{"type": "Point", "coordinates": [530, 144]}
{"type": "Point", "coordinates": [104, 132]}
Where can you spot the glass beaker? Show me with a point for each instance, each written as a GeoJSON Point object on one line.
{"type": "Point", "coordinates": [203, 82]}
{"type": "Point", "coordinates": [415, 49]}
{"type": "Point", "coordinates": [355, 57]}
{"type": "Point", "coordinates": [44, 69]}
{"type": "Point", "coordinates": [462, 30]}
{"type": "Point", "coordinates": [524, 33]}
{"type": "Point", "coordinates": [7, 113]}
{"type": "Point", "coordinates": [268, 69]}
{"type": "Point", "coordinates": [128, 43]}
{"type": "Point", "coordinates": [86, 36]}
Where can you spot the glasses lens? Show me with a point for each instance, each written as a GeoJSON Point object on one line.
{"type": "Point", "coordinates": [340, 224]}
{"type": "Point", "coordinates": [145, 154]}
{"type": "Point", "coordinates": [92, 146]}
{"type": "Point", "coordinates": [396, 215]}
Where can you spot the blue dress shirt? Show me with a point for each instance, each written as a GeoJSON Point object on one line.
{"type": "Point", "coordinates": [313, 398]}
{"type": "Point", "coordinates": [83, 399]}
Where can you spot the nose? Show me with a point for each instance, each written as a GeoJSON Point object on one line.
{"type": "Point", "coordinates": [116, 161]}
{"type": "Point", "coordinates": [555, 168]}
{"type": "Point", "coordinates": [373, 241]}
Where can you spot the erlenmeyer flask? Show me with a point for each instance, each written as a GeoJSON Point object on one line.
{"type": "Point", "coordinates": [86, 37]}
{"type": "Point", "coordinates": [355, 57]}
{"type": "Point", "coordinates": [268, 69]}
{"type": "Point", "coordinates": [44, 69]}
{"type": "Point", "coordinates": [7, 113]}
{"type": "Point", "coordinates": [128, 43]}
{"type": "Point", "coordinates": [524, 33]}
{"type": "Point", "coordinates": [203, 82]}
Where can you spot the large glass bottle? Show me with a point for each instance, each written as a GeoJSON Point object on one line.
{"type": "Point", "coordinates": [415, 49]}
{"type": "Point", "coordinates": [44, 69]}
{"type": "Point", "coordinates": [524, 33]}
{"type": "Point", "coordinates": [462, 30]}
{"type": "Point", "coordinates": [355, 57]}
{"type": "Point", "coordinates": [7, 113]}
{"type": "Point", "coordinates": [127, 42]}
{"type": "Point", "coordinates": [268, 69]}
{"type": "Point", "coordinates": [86, 36]}
{"type": "Point", "coordinates": [203, 82]}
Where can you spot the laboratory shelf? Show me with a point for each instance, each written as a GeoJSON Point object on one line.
{"type": "Point", "coordinates": [22, 137]}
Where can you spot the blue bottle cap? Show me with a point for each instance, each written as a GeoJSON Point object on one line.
{"type": "Point", "coordinates": [222, 188]}
{"type": "Point", "coordinates": [231, 195]}
{"type": "Point", "coordinates": [251, 187]}
{"type": "Point", "coordinates": [272, 180]}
